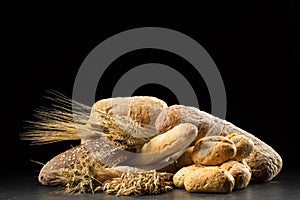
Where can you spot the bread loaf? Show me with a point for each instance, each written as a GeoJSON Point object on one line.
{"type": "Point", "coordinates": [240, 172]}
{"type": "Point", "coordinates": [98, 152]}
{"type": "Point", "coordinates": [172, 140]}
{"type": "Point", "coordinates": [209, 179]}
{"type": "Point", "coordinates": [161, 150]}
{"type": "Point", "coordinates": [178, 178]}
{"type": "Point", "coordinates": [244, 145]}
{"type": "Point", "coordinates": [142, 109]}
{"type": "Point", "coordinates": [213, 150]}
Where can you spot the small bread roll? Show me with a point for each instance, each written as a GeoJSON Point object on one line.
{"type": "Point", "coordinates": [213, 150]}
{"type": "Point", "coordinates": [178, 178]}
{"type": "Point", "coordinates": [244, 145]}
{"type": "Point", "coordinates": [208, 179]}
{"type": "Point", "coordinates": [240, 172]}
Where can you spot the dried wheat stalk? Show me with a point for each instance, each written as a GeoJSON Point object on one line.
{"type": "Point", "coordinates": [139, 183]}
{"type": "Point", "coordinates": [70, 120]}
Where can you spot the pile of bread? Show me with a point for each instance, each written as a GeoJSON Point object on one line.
{"type": "Point", "coordinates": [217, 155]}
{"type": "Point", "coordinates": [218, 164]}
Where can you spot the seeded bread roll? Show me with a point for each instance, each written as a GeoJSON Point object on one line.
{"type": "Point", "coordinates": [264, 161]}
{"type": "Point", "coordinates": [240, 172]}
{"type": "Point", "coordinates": [142, 109]}
{"type": "Point", "coordinates": [213, 150]}
{"type": "Point", "coordinates": [209, 179]}
{"type": "Point", "coordinates": [178, 178]}
{"type": "Point", "coordinates": [244, 145]}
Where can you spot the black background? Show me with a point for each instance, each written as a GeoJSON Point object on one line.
{"type": "Point", "coordinates": [254, 46]}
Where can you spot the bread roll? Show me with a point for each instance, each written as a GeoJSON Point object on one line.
{"type": "Point", "coordinates": [240, 172]}
{"type": "Point", "coordinates": [213, 150]}
{"type": "Point", "coordinates": [244, 145]}
{"type": "Point", "coordinates": [178, 178]}
{"type": "Point", "coordinates": [208, 179]}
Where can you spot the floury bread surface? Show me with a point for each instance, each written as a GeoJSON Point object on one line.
{"type": "Point", "coordinates": [142, 109]}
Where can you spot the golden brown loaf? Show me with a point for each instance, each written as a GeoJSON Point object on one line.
{"type": "Point", "coordinates": [213, 150]}
{"type": "Point", "coordinates": [244, 145]}
{"type": "Point", "coordinates": [180, 135]}
{"type": "Point", "coordinates": [240, 172]}
{"type": "Point", "coordinates": [178, 178]}
{"type": "Point", "coordinates": [209, 179]}
{"type": "Point", "coordinates": [142, 109]}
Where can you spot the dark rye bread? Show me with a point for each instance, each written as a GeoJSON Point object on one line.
{"type": "Point", "coordinates": [98, 150]}
{"type": "Point", "coordinates": [264, 161]}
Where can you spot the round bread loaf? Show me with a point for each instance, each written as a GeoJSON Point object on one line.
{"type": "Point", "coordinates": [209, 179]}
{"type": "Point", "coordinates": [213, 150]}
{"type": "Point", "coordinates": [240, 172]}
{"type": "Point", "coordinates": [141, 109]}
{"type": "Point", "coordinates": [244, 145]}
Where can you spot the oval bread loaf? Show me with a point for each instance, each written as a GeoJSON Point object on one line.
{"type": "Point", "coordinates": [181, 135]}
{"type": "Point", "coordinates": [179, 176]}
{"type": "Point", "coordinates": [209, 179]}
{"type": "Point", "coordinates": [240, 172]}
{"type": "Point", "coordinates": [213, 150]}
{"type": "Point", "coordinates": [141, 109]}
{"type": "Point", "coordinates": [244, 145]}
